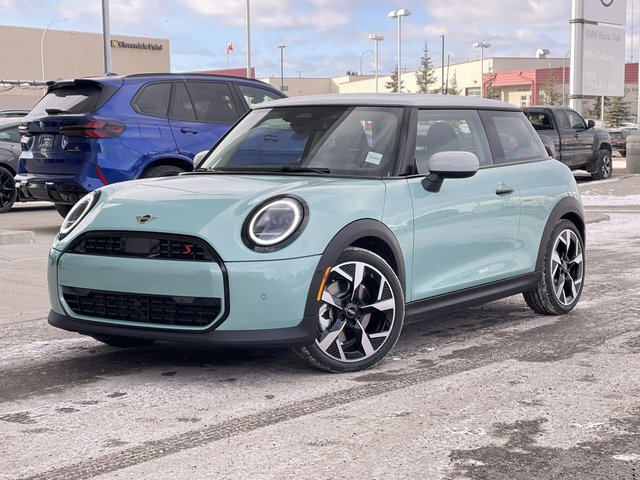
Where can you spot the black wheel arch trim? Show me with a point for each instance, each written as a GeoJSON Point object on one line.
{"type": "Point", "coordinates": [568, 207]}
{"type": "Point", "coordinates": [350, 234]}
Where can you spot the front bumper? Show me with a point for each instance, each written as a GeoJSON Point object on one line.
{"type": "Point", "coordinates": [262, 303]}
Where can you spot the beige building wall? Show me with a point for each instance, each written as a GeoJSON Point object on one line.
{"type": "Point", "coordinates": [70, 55]}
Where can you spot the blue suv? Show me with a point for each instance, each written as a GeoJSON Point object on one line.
{"type": "Point", "coordinates": [90, 132]}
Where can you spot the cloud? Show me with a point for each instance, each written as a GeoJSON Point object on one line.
{"type": "Point", "coordinates": [317, 15]}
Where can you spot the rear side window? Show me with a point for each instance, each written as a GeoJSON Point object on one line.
{"type": "Point", "coordinates": [212, 102]}
{"type": "Point", "coordinates": [450, 130]}
{"type": "Point", "coordinates": [515, 136]}
{"type": "Point", "coordinates": [256, 95]}
{"type": "Point", "coordinates": [153, 99]}
{"type": "Point", "coordinates": [540, 120]}
{"type": "Point", "coordinates": [182, 108]}
{"type": "Point", "coordinates": [10, 135]}
{"type": "Point", "coordinates": [70, 99]}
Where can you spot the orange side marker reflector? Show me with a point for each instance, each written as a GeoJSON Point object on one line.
{"type": "Point", "coordinates": [324, 280]}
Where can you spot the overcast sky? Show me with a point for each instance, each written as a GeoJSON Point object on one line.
{"type": "Point", "coordinates": [323, 37]}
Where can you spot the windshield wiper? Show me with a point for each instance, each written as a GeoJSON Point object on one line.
{"type": "Point", "coordinates": [298, 169]}
{"type": "Point", "coordinates": [55, 111]}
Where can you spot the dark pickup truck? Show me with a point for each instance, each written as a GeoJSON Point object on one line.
{"type": "Point", "coordinates": [570, 139]}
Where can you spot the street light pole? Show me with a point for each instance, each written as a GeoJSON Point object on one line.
{"type": "Point", "coordinates": [403, 12]}
{"type": "Point", "coordinates": [248, 41]}
{"type": "Point", "coordinates": [376, 39]}
{"type": "Point", "coordinates": [442, 74]}
{"type": "Point", "coordinates": [61, 19]}
{"type": "Point", "coordinates": [564, 61]}
{"type": "Point", "coordinates": [361, 55]}
{"type": "Point", "coordinates": [106, 36]}
{"type": "Point", "coordinates": [481, 46]}
{"type": "Point", "coordinates": [282, 47]}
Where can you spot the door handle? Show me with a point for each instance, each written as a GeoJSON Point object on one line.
{"type": "Point", "coordinates": [270, 138]}
{"type": "Point", "coordinates": [188, 131]}
{"type": "Point", "coordinates": [502, 190]}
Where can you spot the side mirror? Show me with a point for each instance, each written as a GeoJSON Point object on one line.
{"type": "Point", "coordinates": [198, 160]}
{"type": "Point", "coordinates": [591, 123]}
{"type": "Point", "coordinates": [449, 165]}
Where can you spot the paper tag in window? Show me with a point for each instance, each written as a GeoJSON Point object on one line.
{"type": "Point", "coordinates": [373, 157]}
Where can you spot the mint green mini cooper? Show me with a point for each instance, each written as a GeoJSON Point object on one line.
{"type": "Point", "coordinates": [323, 224]}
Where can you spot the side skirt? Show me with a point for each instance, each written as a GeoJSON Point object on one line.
{"type": "Point", "coordinates": [470, 297]}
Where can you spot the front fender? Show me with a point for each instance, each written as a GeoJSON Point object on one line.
{"type": "Point", "coordinates": [350, 234]}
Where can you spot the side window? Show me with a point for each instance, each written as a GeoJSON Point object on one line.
{"type": "Point", "coordinates": [516, 137]}
{"type": "Point", "coordinates": [540, 120]}
{"type": "Point", "coordinates": [10, 135]}
{"type": "Point", "coordinates": [450, 130]}
{"type": "Point", "coordinates": [182, 108]}
{"type": "Point", "coordinates": [212, 102]}
{"type": "Point", "coordinates": [256, 95]}
{"type": "Point", "coordinates": [153, 99]}
{"type": "Point", "coordinates": [562, 119]}
{"type": "Point", "coordinates": [575, 120]}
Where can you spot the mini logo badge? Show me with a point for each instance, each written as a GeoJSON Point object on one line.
{"type": "Point", "coordinates": [146, 218]}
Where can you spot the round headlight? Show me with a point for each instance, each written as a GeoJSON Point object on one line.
{"type": "Point", "coordinates": [78, 212]}
{"type": "Point", "coordinates": [274, 222]}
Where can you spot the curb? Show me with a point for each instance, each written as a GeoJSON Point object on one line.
{"type": "Point", "coordinates": [595, 217]}
{"type": "Point", "coordinates": [17, 236]}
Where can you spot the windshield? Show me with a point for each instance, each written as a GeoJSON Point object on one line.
{"type": "Point", "coordinates": [342, 140]}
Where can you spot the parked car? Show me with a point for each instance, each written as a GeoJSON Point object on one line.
{"type": "Point", "coordinates": [9, 155]}
{"type": "Point", "coordinates": [13, 113]}
{"type": "Point", "coordinates": [300, 229]}
{"type": "Point", "coordinates": [90, 132]}
{"type": "Point", "coordinates": [619, 139]}
{"type": "Point", "coordinates": [572, 140]}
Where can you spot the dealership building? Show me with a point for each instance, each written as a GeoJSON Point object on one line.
{"type": "Point", "coordinates": [28, 52]}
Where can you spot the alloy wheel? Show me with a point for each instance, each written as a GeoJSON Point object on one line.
{"type": "Point", "coordinates": [567, 267]}
{"type": "Point", "coordinates": [7, 190]}
{"type": "Point", "coordinates": [357, 313]}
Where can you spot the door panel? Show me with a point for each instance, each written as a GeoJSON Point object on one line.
{"type": "Point", "coordinates": [465, 235]}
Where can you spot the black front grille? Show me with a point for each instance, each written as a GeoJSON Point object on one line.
{"type": "Point", "coordinates": [156, 246]}
{"type": "Point", "coordinates": [151, 309]}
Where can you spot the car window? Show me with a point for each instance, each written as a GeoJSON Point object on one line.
{"type": "Point", "coordinates": [212, 102]}
{"type": "Point", "coordinates": [182, 108]}
{"type": "Point", "coordinates": [517, 138]}
{"type": "Point", "coordinates": [256, 95]}
{"type": "Point", "coordinates": [153, 99]}
{"type": "Point", "coordinates": [70, 99]}
{"type": "Point", "coordinates": [450, 130]}
{"type": "Point", "coordinates": [10, 135]}
{"type": "Point", "coordinates": [575, 120]}
{"type": "Point", "coordinates": [540, 120]}
{"type": "Point", "coordinates": [342, 140]}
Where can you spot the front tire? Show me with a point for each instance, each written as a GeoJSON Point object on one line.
{"type": "Point", "coordinates": [604, 165]}
{"type": "Point", "coordinates": [162, 171]}
{"type": "Point", "coordinates": [360, 316]}
{"type": "Point", "coordinates": [562, 279]}
{"type": "Point", "coordinates": [7, 190]}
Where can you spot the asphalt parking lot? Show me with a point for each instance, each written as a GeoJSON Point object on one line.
{"type": "Point", "coordinates": [493, 392]}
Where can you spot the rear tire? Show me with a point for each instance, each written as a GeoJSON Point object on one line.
{"type": "Point", "coordinates": [63, 209]}
{"type": "Point", "coordinates": [7, 190]}
{"type": "Point", "coordinates": [162, 171]}
{"type": "Point", "coordinates": [121, 342]}
{"type": "Point", "coordinates": [604, 165]}
{"type": "Point", "coordinates": [562, 279]}
{"type": "Point", "coordinates": [360, 314]}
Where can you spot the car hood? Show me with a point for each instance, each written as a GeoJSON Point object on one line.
{"type": "Point", "coordinates": [215, 207]}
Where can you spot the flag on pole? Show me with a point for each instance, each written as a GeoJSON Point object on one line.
{"type": "Point", "coordinates": [229, 47]}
